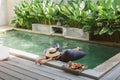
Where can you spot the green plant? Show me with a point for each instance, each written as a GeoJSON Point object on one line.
{"type": "Point", "coordinates": [98, 18]}
{"type": "Point", "coordinates": [72, 13]}
{"type": "Point", "coordinates": [45, 12]}
{"type": "Point", "coordinates": [89, 21]}
{"type": "Point", "coordinates": [80, 13]}
{"type": "Point", "coordinates": [107, 19]}
{"type": "Point", "coordinates": [35, 11]}
{"type": "Point", "coordinates": [50, 10]}
{"type": "Point", "coordinates": [23, 18]}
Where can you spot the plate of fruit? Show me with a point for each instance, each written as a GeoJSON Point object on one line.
{"type": "Point", "coordinates": [73, 67]}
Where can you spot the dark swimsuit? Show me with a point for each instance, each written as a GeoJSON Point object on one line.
{"type": "Point", "coordinates": [70, 55]}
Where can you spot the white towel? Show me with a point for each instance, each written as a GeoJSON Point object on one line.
{"type": "Point", "coordinates": [4, 53]}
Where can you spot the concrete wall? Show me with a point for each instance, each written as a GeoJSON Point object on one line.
{"type": "Point", "coordinates": [10, 7]}
{"type": "Point", "coordinates": [7, 11]}
{"type": "Point", "coordinates": [3, 12]}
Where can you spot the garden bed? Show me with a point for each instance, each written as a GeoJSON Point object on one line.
{"type": "Point", "coordinates": [108, 38]}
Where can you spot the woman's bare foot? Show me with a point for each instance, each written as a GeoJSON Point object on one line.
{"type": "Point", "coordinates": [77, 48]}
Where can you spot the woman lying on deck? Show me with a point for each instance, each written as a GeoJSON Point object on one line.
{"type": "Point", "coordinates": [55, 53]}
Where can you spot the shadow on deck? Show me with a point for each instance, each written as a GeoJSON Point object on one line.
{"type": "Point", "coordinates": [20, 69]}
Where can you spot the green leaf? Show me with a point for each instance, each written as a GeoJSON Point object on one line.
{"type": "Point", "coordinates": [86, 28]}
{"type": "Point", "coordinates": [104, 30]}
{"type": "Point", "coordinates": [110, 32]}
{"type": "Point", "coordinates": [102, 2]}
{"type": "Point", "coordinates": [108, 3]}
{"type": "Point", "coordinates": [21, 22]}
{"type": "Point", "coordinates": [13, 21]}
{"type": "Point", "coordinates": [94, 6]}
{"type": "Point", "coordinates": [96, 31]}
{"type": "Point", "coordinates": [114, 5]}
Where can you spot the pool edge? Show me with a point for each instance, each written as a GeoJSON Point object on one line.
{"type": "Point", "coordinates": [108, 64]}
{"type": "Point", "coordinates": [95, 73]}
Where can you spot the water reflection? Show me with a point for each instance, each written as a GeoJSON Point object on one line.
{"type": "Point", "coordinates": [36, 43]}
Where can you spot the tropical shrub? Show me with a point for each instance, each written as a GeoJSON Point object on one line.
{"type": "Point", "coordinates": [109, 17]}
{"type": "Point", "coordinates": [98, 18]}
{"type": "Point", "coordinates": [23, 18]}
{"type": "Point", "coordinates": [45, 12]}
{"type": "Point", "coordinates": [106, 17]}
{"type": "Point", "coordinates": [72, 13]}
{"type": "Point", "coordinates": [35, 11]}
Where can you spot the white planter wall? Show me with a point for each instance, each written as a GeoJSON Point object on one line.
{"type": "Point", "coordinates": [44, 29]}
{"type": "Point", "coordinates": [72, 33]}
{"type": "Point", "coordinates": [75, 33]}
{"type": "Point", "coordinates": [3, 12]}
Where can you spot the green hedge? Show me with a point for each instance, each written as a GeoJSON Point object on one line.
{"type": "Point", "coordinates": [100, 18]}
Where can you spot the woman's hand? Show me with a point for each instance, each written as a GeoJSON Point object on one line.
{"type": "Point", "coordinates": [43, 61]}
{"type": "Point", "coordinates": [39, 60]}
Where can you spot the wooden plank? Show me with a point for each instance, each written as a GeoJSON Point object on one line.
{"type": "Point", "coordinates": [33, 70]}
{"type": "Point", "coordinates": [118, 78]}
{"type": "Point", "coordinates": [85, 78]}
{"type": "Point", "coordinates": [16, 74]}
{"type": "Point", "coordinates": [47, 69]}
{"type": "Point", "coordinates": [7, 77]}
{"type": "Point", "coordinates": [23, 71]}
{"type": "Point", "coordinates": [113, 74]}
{"type": "Point", "coordinates": [1, 79]}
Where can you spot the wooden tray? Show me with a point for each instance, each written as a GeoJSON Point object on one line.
{"type": "Point", "coordinates": [74, 71]}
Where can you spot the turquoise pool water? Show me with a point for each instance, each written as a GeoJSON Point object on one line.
{"type": "Point", "coordinates": [36, 43]}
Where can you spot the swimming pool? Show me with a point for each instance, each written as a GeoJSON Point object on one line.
{"type": "Point", "coordinates": [36, 43]}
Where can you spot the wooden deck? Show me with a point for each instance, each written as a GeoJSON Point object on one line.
{"type": "Point", "coordinates": [114, 74]}
{"type": "Point", "coordinates": [20, 69]}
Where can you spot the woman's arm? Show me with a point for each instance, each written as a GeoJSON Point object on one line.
{"type": "Point", "coordinates": [46, 60]}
